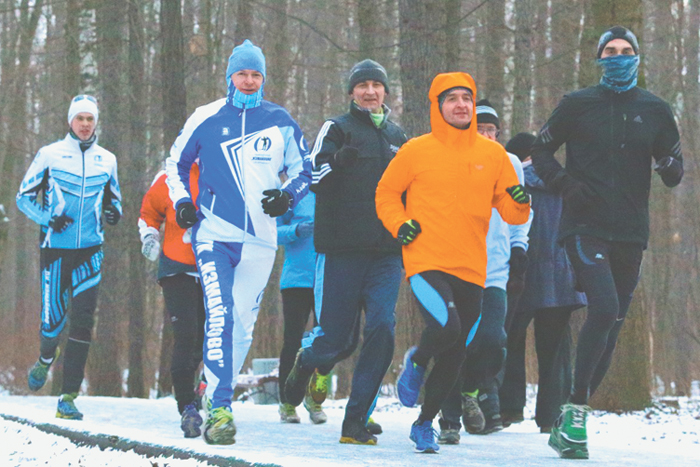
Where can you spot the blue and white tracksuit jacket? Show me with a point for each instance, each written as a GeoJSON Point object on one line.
{"type": "Point", "coordinates": [502, 237]}
{"type": "Point", "coordinates": [241, 153]}
{"type": "Point", "coordinates": [75, 183]}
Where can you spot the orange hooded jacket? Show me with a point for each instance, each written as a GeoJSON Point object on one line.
{"type": "Point", "coordinates": [452, 179]}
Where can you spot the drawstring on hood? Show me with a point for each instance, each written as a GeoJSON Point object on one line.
{"type": "Point", "coordinates": [443, 131]}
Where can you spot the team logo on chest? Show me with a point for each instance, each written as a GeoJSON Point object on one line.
{"type": "Point", "coordinates": [225, 131]}
{"type": "Point", "coordinates": [262, 144]}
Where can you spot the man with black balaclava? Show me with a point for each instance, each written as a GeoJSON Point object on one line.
{"type": "Point", "coordinates": [613, 133]}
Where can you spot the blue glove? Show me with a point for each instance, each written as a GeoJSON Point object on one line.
{"type": "Point", "coordinates": [304, 229]}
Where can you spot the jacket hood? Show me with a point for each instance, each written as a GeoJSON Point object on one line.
{"type": "Point", "coordinates": [442, 130]}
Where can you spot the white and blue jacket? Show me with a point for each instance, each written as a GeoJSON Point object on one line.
{"type": "Point", "coordinates": [502, 237]}
{"type": "Point", "coordinates": [74, 183]}
{"type": "Point", "coordinates": [241, 153]}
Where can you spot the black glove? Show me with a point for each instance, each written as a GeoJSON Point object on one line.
{"type": "Point", "coordinates": [346, 155]}
{"type": "Point", "coordinates": [517, 267]}
{"type": "Point", "coordinates": [304, 229]}
{"type": "Point", "coordinates": [276, 202]}
{"type": "Point", "coordinates": [518, 193]}
{"type": "Point", "coordinates": [60, 223]}
{"type": "Point", "coordinates": [408, 232]}
{"type": "Point", "coordinates": [111, 214]}
{"type": "Point", "coordinates": [186, 215]}
{"type": "Point", "coordinates": [671, 171]}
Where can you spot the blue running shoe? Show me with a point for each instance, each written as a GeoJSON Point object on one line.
{"type": "Point", "coordinates": [67, 409]}
{"type": "Point", "coordinates": [191, 421]}
{"type": "Point", "coordinates": [39, 372]}
{"type": "Point", "coordinates": [410, 380]}
{"type": "Point", "coordinates": [424, 435]}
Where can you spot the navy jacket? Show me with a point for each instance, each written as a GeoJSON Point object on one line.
{"type": "Point", "coordinates": [549, 280]}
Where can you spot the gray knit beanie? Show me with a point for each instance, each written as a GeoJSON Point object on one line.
{"type": "Point", "coordinates": [367, 69]}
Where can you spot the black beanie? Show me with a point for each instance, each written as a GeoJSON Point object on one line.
{"type": "Point", "coordinates": [367, 69]}
{"type": "Point", "coordinates": [521, 145]}
{"type": "Point", "coordinates": [617, 32]}
{"type": "Point", "coordinates": [485, 113]}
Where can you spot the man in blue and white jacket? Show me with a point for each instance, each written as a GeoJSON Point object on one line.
{"type": "Point", "coordinates": [507, 261]}
{"type": "Point", "coordinates": [243, 143]}
{"type": "Point", "coordinates": [69, 186]}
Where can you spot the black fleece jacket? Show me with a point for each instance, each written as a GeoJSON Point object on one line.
{"type": "Point", "coordinates": [610, 139]}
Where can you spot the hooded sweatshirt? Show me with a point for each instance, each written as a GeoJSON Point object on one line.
{"type": "Point", "coordinates": [452, 179]}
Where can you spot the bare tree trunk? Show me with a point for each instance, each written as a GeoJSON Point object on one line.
{"type": "Point", "coordinates": [369, 26]}
{"type": "Point", "coordinates": [278, 57]}
{"type": "Point", "coordinates": [105, 360]}
{"type": "Point", "coordinates": [493, 87]}
{"type": "Point", "coordinates": [453, 13]}
{"type": "Point", "coordinates": [244, 21]}
{"type": "Point", "coordinates": [522, 71]}
{"type": "Point", "coordinates": [134, 187]}
{"type": "Point", "coordinates": [173, 70]}
{"type": "Point", "coordinates": [72, 83]}
{"type": "Point", "coordinates": [421, 58]}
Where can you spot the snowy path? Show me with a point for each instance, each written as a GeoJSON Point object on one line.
{"type": "Point", "coordinates": [629, 440]}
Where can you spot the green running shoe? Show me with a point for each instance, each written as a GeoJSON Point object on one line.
{"type": "Point", "coordinates": [298, 381]}
{"type": "Point", "coordinates": [39, 372]}
{"type": "Point", "coordinates": [67, 409]}
{"type": "Point", "coordinates": [316, 413]}
{"type": "Point", "coordinates": [568, 436]}
{"type": "Point", "coordinates": [288, 414]}
{"type": "Point", "coordinates": [472, 416]}
{"type": "Point", "coordinates": [448, 436]}
{"type": "Point", "coordinates": [219, 427]}
{"type": "Point", "coordinates": [318, 387]}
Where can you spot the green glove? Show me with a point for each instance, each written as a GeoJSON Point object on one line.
{"type": "Point", "coordinates": [518, 193]}
{"type": "Point", "coordinates": [408, 232]}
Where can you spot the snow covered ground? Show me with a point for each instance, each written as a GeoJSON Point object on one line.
{"type": "Point", "coordinates": [657, 437]}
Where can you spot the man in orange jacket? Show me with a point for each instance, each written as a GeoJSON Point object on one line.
{"type": "Point", "coordinates": [452, 177]}
{"type": "Point", "coordinates": [184, 300]}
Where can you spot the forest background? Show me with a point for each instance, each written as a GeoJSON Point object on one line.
{"type": "Point", "coordinates": [151, 63]}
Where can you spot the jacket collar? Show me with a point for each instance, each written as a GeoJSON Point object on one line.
{"type": "Point", "coordinates": [609, 94]}
{"type": "Point", "coordinates": [75, 142]}
{"type": "Point", "coordinates": [364, 114]}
